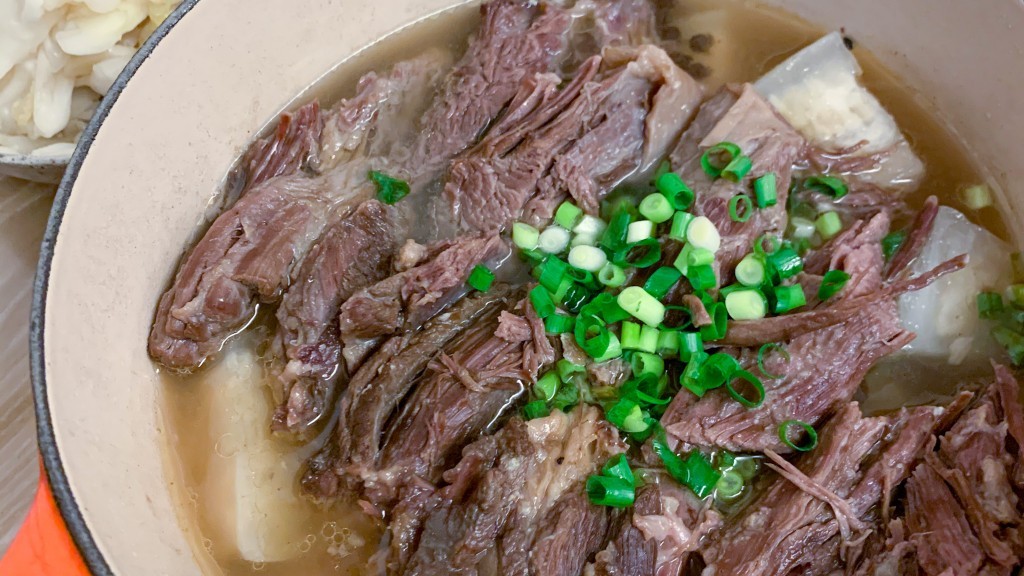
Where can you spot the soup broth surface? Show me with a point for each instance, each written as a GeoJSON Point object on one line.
{"type": "Point", "coordinates": [215, 417]}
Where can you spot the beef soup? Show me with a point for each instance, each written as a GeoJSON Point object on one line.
{"type": "Point", "coordinates": [608, 287]}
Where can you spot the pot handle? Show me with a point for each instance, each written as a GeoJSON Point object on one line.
{"type": "Point", "coordinates": [43, 546]}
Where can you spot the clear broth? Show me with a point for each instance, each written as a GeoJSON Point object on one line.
{"type": "Point", "coordinates": [341, 539]}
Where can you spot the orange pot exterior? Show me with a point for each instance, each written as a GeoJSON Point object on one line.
{"type": "Point", "coordinates": [43, 546]}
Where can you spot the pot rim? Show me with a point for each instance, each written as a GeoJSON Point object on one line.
{"type": "Point", "coordinates": [63, 494]}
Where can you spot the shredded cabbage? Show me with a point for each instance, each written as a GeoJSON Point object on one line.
{"type": "Point", "coordinates": [57, 58]}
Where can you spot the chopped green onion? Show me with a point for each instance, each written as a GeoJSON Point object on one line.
{"type": "Point", "coordinates": [681, 262]}
{"type": "Point", "coordinates": [737, 169]}
{"type": "Point", "coordinates": [543, 305]}
{"type": "Point", "coordinates": [536, 409]}
{"type": "Point", "coordinates": [828, 224]}
{"type": "Point", "coordinates": [829, 185]}
{"type": "Point", "coordinates": [567, 368]}
{"type": "Point", "coordinates": [605, 306]}
{"type": "Point", "coordinates": [630, 335]}
{"type": "Point", "coordinates": [719, 323]}
{"type": "Point", "coordinates": [524, 236]}
{"type": "Point", "coordinates": [812, 435]}
{"type": "Point", "coordinates": [656, 208]}
{"type": "Point", "coordinates": [618, 228]}
{"type": "Point", "coordinates": [611, 275]}
{"type": "Point", "coordinates": [690, 343]}
{"type": "Point", "coordinates": [480, 278]}
{"type": "Point", "coordinates": [642, 254]}
{"type": "Point", "coordinates": [589, 258]}
{"type": "Point", "coordinates": [747, 304]}
{"type": "Point", "coordinates": [695, 472]}
{"type": "Point", "coordinates": [716, 158]}
{"type": "Point", "coordinates": [701, 277]}
{"type": "Point", "coordinates": [613, 492]}
{"type": "Point", "coordinates": [648, 339]}
{"type": "Point", "coordinates": [750, 271]}
{"type": "Point", "coordinates": [699, 257]}
{"type": "Point", "coordinates": [1013, 341]}
{"type": "Point", "coordinates": [583, 240]}
{"type": "Point", "coordinates": [553, 240]}
{"type": "Point", "coordinates": [627, 416]}
{"type": "Point", "coordinates": [618, 467]}
{"type": "Point", "coordinates": [764, 191]}
{"type": "Point", "coordinates": [977, 197]}
{"type": "Point", "coordinates": [990, 304]}
{"type": "Point", "coordinates": [559, 324]}
{"type": "Point", "coordinates": [661, 281]}
{"type": "Point", "coordinates": [755, 384]}
{"type": "Point", "coordinates": [668, 343]}
{"type": "Point", "coordinates": [592, 335]}
{"type": "Point", "coordinates": [1015, 294]}
{"type": "Point", "coordinates": [641, 305]}
{"type": "Point", "coordinates": [639, 230]}
{"type": "Point", "coordinates": [801, 228]}
{"type": "Point", "coordinates": [647, 363]}
{"type": "Point", "coordinates": [568, 215]}
{"type": "Point", "coordinates": [680, 222]}
{"type": "Point", "coordinates": [729, 486]}
{"type": "Point", "coordinates": [774, 245]}
{"type": "Point", "coordinates": [788, 298]}
{"type": "Point", "coordinates": [590, 226]}
{"type": "Point", "coordinates": [678, 194]}
{"type": "Point", "coordinates": [892, 243]}
{"type": "Point", "coordinates": [546, 386]}
{"type": "Point", "coordinates": [832, 283]}
{"type": "Point", "coordinates": [741, 208]}
{"type": "Point", "coordinates": [551, 273]}
{"type": "Point", "coordinates": [747, 467]}
{"type": "Point", "coordinates": [389, 190]}
{"type": "Point", "coordinates": [702, 233]}
{"type": "Point", "coordinates": [567, 397]}
{"type": "Point", "coordinates": [785, 263]}
{"type": "Point", "coordinates": [717, 370]}
{"type": "Point", "coordinates": [767, 349]}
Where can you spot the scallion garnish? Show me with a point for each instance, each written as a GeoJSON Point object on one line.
{"type": "Point", "coordinates": [702, 233]}
{"type": "Point", "coordinates": [641, 305]}
{"type": "Point", "coordinates": [695, 472]}
{"type": "Point", "coordinates": [551, 273]}
{"type": "Point", "coordinates": [701, 277]}
{"type": "Point", "coordinates": [740, 208]}
{"type": "Point", "coordinates": [553, 240]}
{"type": "Point", "coordinates": [480, 278]}
{"type": "Point", "coordinates": [1015, 294]}
{"type": "Point", "coordinates": [626, 415]}
{"type": "Point", "coordinates": [615, 486]}
{"type": "Point", "coordinates": [593, 335]}
{"type": "Point", "coordinates": [719, 323]}
{"type": "Point", "coordinates": [678, 194]}
{"type": "Point", "coordinates": [788, 298]}
{"type": "Point", "coordinates": [661, 281]}
{"type": "Point", "coordinates": [785, 432]}
{"type": "Point", "coordinates": [977, 196]}
{"type": "Point", "coordinates": [648, 363]}
{"type": "Point", "coordinates": [746, 304]}
{"type": "Point", "coordinates": [656, 208]}
{"type": "Point", "coordinates": [611, 275]}
{"type": "Point", "coordinates": [690, 344]}
{"type": "Point", "coordinates": [828, 224]}
{"type": "Point", "coordinates": [718, 369]}
{"type": "Point", "coordinates": [716, 158]}
{"type": "Point", "coordinates": [589, 258]}
{"type": "Point", "coordinates": [559, 324]}
{"type": "Point", "coordinates": [753, 381]}
{"type": "Point", "coordinates": [892, 243]}
{"type": "Point", "coordinates": [829, 185]}
{"type": "Point", "coordinates": [750, 271]}
{"type": "Point", "coordinates": [618, 229]}
{"type": "Point", "coordinates": [832, 283]}
{"type": "Point", "coordinates": [542, 303]}
{"type": "Point", "coordinates": [729, 486]}
{"type": "Point", "coordinates": [642, 254]}
{"type": "Point", "coordinates": [785, 263]}
{"type": "Point", "coordinates": [990, 304]}
{"type": "Point", "coordinates": [764, 191]}
{"type": "Point", "coordinates": [639, 230]}
{"type": "Point", "coordinates": [389, 190]}
{"type": "Point", "coordinates": [774, 244]}
{"type": "Point", "coordinates": [536, 409]}
{"type": "Point", "coordinates": [567, 397]}
{"type": "Point", "coordinates": [668, 343]}
{"type": "Point", "coordinates": [1012, 341]}
{"type": "Point", "coordinates": [524, 236]}
{"type": "Point", "coordinates": [766, 349]}
{"type": "Point", "coordinates": [737, 169]}
{"type": "Point", "coordinates": [567, 369]}
{"type": "Point", "coordinates": [680, 222]}
{"type": "Point", "coordinates": [630, 335]}
{"type": "Point", "coordinates": [546, 386]}
{"type": "Point", "coordinates": [568, 215]}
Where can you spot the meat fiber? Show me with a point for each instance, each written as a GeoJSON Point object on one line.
{"type": "Point", "coordinates": [374, 392]}
{"type": "Point", "coordinates": [406, 300]}
{"type": "Point", "coordinates": [252, 250]}
{"type": "Point", "coordinates": [579, 142]}
{"type": "Point", "coordinates": [519, 479]}
{"type": "Point", "coordinates": [467, 390]}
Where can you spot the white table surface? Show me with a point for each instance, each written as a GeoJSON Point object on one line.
{"type": "Point", "coordinates": [24, 208]}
